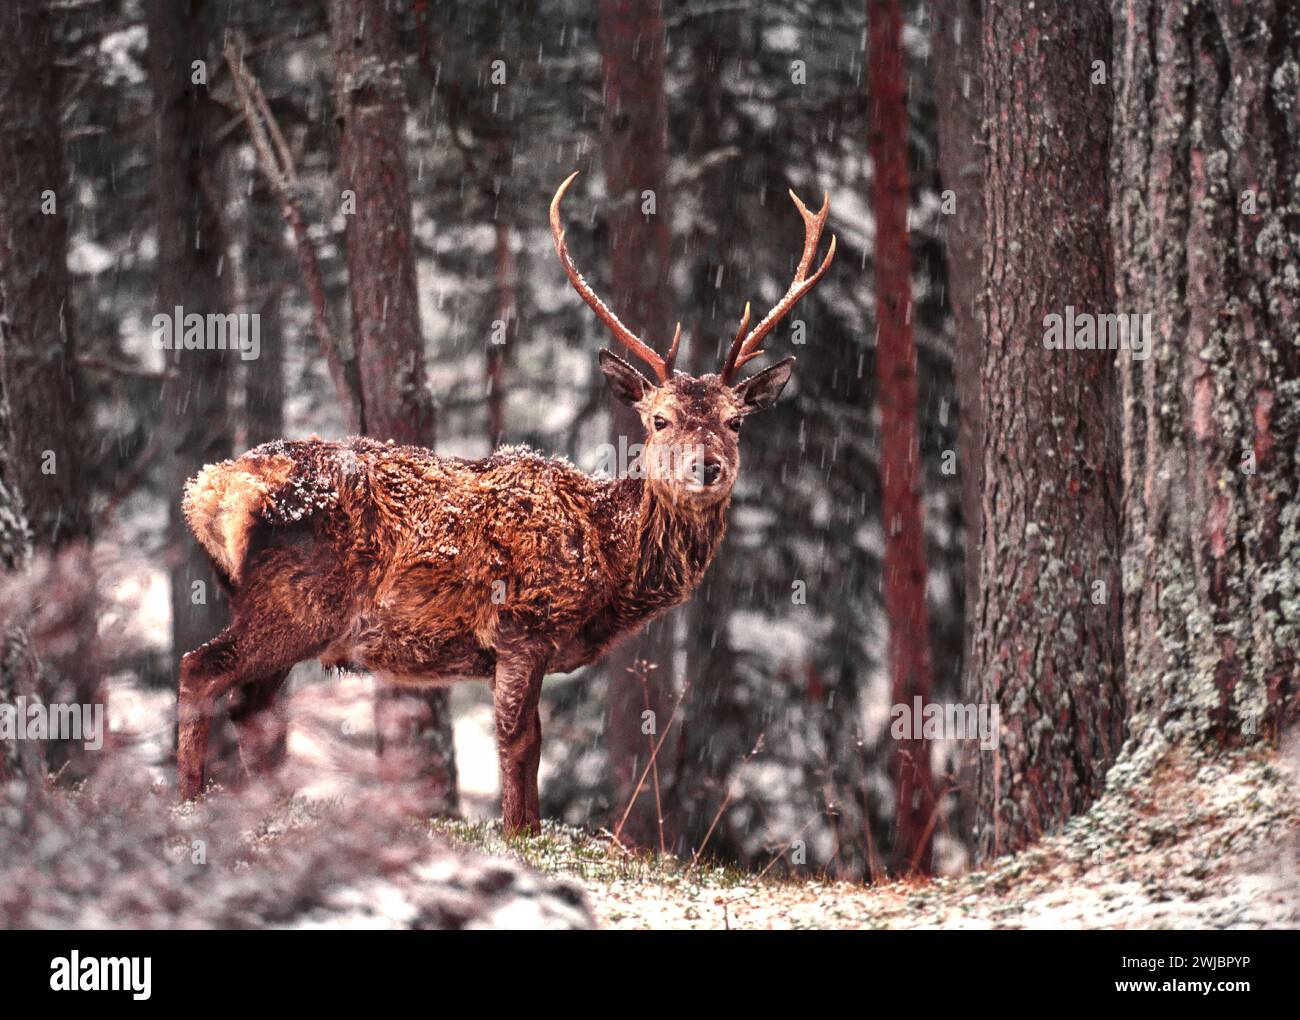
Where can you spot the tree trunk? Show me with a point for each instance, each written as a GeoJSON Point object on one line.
{"type": "Point", "coordinates": [415, 730]}
{"type": "Point", "coordinates": [900, 445]}
{"type": "Point", "coordinates": [1047, 651]}
{"type": "Point", "coordinates": [1206, 161]}
{"type": "Point", "coordinates": [264, 393]}
{"type": "Point", "coordinates": [955, 42]}
{"type": "Point", "coordinates": [635, 146]}
{"type": "Point", "coordinates": [264, 377]}
{"type": "Point", "coordinates": [45, 393]}
{"type": "Point", "coordinates": [191, 248]}
{"type": "Point", "coordinates": [18, 759]}
{"type": "Point", "coordinates": [44, 390]}
{"type": "Point", "coordinates": [503, 260]}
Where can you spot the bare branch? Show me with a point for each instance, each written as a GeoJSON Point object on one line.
{"type": "Point", "coordinates": [276, 161]}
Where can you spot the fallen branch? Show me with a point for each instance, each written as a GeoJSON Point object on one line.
{"type": "Point", "coordinates": [127, 371]}
{"type": "Point", "coordinates": [276, 162]}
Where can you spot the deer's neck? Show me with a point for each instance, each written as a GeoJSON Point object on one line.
{"type": "Point", "coordinates": [666, 553]}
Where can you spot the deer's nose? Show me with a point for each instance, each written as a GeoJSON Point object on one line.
{"type": "Point", "coordinates": [712, 472]}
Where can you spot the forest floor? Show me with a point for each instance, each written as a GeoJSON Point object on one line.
{"type": "Point", "coordinates": [1197, 845]}
{"type": "Point", "coordinates": [1182, 843]}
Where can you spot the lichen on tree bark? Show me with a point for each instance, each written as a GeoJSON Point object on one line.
{"type": "Point", "coordinates": [1206, 218]}
{"type": "Point", "coordinates": [1043, 650]}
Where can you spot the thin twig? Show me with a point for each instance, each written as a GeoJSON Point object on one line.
{"type": "Point", "coordinates": [873, 860]}
{"type": "Point", "coordinates": [618, 829]}
{"type": "Point", "coordinates": [133, 478]}
{"type": "Point", "coordinates": [763, 874]}
{"type": "Point", "coordinates": [726, 801]}
{"type": "Point", "coordinates": [924, 841]}
{"type": "Point", "coordinates": [642, 674]}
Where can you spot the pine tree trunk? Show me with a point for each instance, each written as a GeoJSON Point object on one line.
{"type": "Point", "coordinates": [18, 759]}
{"type": "Point", "coordinates": [415, 729]}
{"type": "Point", "coordinates": [264, 377]}
{"type": "Point", "coordinates": [46, 397]}
{"type": "Point", "coordinates": [900, 445]}
{"type": "Point", "coordinates": [718, 725]}
{"type": "Point", "coordinates": [194, 418]}
{"type": "Point", "coordinates": [35, 201]}
{"type": "Point", "coordinates": [264, 383]}
{"type": "Point", "coordinates": [1206, 166]}
{"type": "Point", "coordinates": [1047, 650]}
{"type": "Point", "coordinates": [635, 147]}
{"type": "Point", "coordinates": [955, 42]}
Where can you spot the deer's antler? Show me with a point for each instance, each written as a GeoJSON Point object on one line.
{"type": "Point", "coordinates": [745, 347]}
{"type": "Point", "coordinates": [662, 367]}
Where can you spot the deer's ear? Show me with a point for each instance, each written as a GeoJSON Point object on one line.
{"type": "Point", "coordinates": [626, 381]}
{"type": "Point", "coordinates": [760, 392]}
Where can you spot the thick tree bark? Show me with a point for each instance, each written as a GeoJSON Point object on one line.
{"type": "Point", "coordinates": [635, 148]}
{"type": "Point", "coordinates": [415, 729]}
{"type": "Point", "coordinates": [1047, 651]}
{"type": "Point", "coordinates": [191, 247]}
{"type": "Point", "coordinates": [48, 405]}
{"type": "Point", "coordinates": [18, 759]}
{"type": "Point", "coordinates": [1206, 160]}
{"type": "Point", "coordinates": [264, 384]}
{"type": "Point", "coordinates": [44, 388]}
{"type": "Point", "coordinates": [955, 42]}
{"type": "Point", "coordinates": [900, 446]}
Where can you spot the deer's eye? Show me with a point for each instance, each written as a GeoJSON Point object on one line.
{"type": "Point", "coordinates": [661, 423]}
{"type": "Point", "coordinates": [734, 424]}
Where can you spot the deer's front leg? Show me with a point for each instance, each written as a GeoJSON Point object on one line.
{"type": "Point", "coordinates": [516, 696]}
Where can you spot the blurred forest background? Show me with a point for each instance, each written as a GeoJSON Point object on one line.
{"type": "Point", "coordinates": [782, 733]}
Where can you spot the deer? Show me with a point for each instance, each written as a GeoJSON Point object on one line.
{"type": "Point", "coordinates": [430, 570]}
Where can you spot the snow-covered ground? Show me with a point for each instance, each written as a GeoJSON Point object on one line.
{"type": "Point", "coordinates": [1186, 843]}
{"type": "Point", "coordinates": [1209, 844]}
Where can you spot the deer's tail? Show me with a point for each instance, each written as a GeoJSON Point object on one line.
{"type": "Point", "coordinates": [224, 503]}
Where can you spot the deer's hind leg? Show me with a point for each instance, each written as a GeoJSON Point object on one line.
{"type": "Point", "coordinates": [254, 653]}
{"type": "Point", "coordinates": [207, 673]}
{"type": "Point", "coordinates": [261, 724]}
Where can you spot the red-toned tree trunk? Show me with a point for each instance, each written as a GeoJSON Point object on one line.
{"type": "Point", "coordinates": [415, 731]}
{"type": "Point", "coordinates": [1206, 184]}
{"type": "Point", "coordinates": [900, 448]}
{"type": "Point", "coordinates": [1047, 650]}
{"type": "Point", "coordinates": [635, 147]}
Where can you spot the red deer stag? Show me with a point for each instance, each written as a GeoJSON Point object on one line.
{"type": "Point", "coordinates": [425, 569]}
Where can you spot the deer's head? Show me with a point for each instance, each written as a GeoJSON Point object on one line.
{"type": "Point", "coordinates": [692, 423]}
